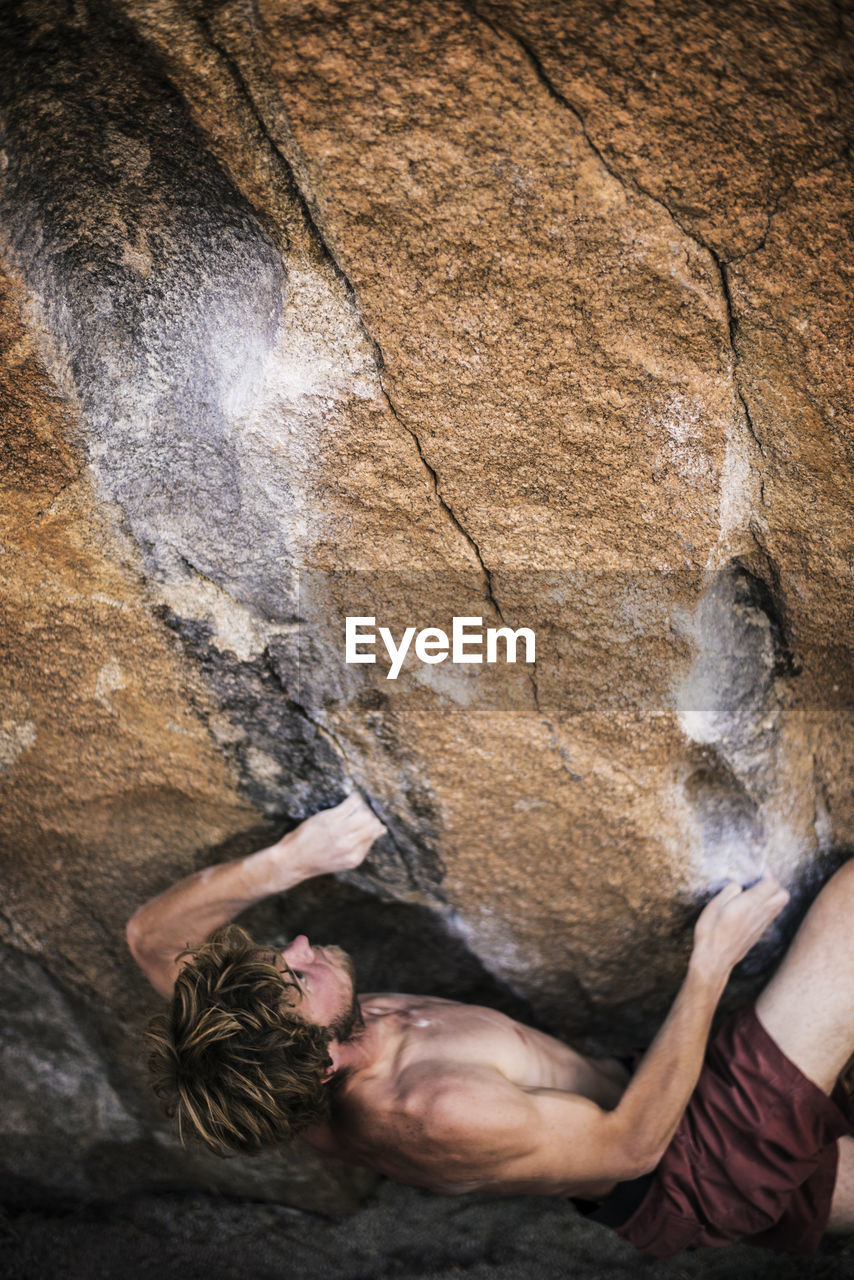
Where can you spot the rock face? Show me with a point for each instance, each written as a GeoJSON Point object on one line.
{"type": "Point", "coordinates": [536, 314]}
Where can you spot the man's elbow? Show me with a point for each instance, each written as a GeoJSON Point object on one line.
{"type": "Point", "coordinates": [627, 1166]}
{"type": "Point", "coordinates": [644, 1163]}
{"type": "Point", "coordinates": [135, 936]}
{"type": "Point", "coordinates": [634, 1156]}
{"type": "Point", "coordinates": [157, 967]}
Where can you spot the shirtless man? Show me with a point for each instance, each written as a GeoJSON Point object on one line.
{"type": "Point", "coordinates": [260, 1045]}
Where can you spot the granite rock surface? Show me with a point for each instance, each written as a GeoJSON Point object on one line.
{"type": "Point", "coordinates": [532, 313]}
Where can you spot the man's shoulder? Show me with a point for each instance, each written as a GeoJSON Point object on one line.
{"type": "Point", "coordinates": [429, 1125]}
{"type": "Point", "coordinates": [457, 1128]}
{"type": "Point", "coordinates": [432, 1102]}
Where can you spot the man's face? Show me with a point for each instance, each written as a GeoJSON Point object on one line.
{"type": "Point", "coordinates": [325, 979]}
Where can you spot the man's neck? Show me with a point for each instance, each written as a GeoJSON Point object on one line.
{"type": "Point", "coordinates": [364, 1051]}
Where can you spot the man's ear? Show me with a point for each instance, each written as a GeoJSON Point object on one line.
{"type": "Point", "coordinates": [334, 1050]}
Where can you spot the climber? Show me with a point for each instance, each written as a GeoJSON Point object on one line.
{"type": "Point", "coordinates": [740, 1141]}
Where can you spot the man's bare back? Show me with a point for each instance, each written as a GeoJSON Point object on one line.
{"type": "Point", "coordinates": [457, 1097]}
{"type": "Point", "coordinates": [421, 1048]}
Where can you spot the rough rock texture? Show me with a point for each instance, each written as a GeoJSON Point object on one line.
{"type": "Point", "coordinates": [532, 312]}
{"type": "Point", "coordinates": [100, 720]}
{"type": "Point", "coordinates": [401, 1232]}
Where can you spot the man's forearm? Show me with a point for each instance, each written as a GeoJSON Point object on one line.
{"type": "Point", "coordinates": [186, 913]}
{"type": "Point", "coordinates": [658, 1093]}
{"type": "Point", "coordinates": [652, 1106]}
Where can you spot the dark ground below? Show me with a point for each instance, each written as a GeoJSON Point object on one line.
{"type": "Point", "coordinates": [400, 1233]}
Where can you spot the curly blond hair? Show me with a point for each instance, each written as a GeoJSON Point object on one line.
{"type": "Point", "coordinates": [232, 1060]}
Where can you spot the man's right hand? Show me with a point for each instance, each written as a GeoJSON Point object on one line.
{"type": "Point", "coordinates": [186, 913]}
{"type": "Point", "coordinates": [333, 840]}
{"type": "Point", "coordinates": [732, 923]}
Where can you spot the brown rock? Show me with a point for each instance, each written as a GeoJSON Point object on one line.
{"type": "Point", "coordinates": [532, 313]}
{"type": "Point", "coordinates": [713, 113]}
{"type": "Point", "coordinates": [110, 784]}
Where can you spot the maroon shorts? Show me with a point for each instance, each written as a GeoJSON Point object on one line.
{"type": "Point", "coordinates": [754, 1158]}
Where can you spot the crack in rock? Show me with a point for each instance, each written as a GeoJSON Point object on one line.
{"type": "Point", "coordinates": [330, 257]}
{"type": "Point", "coordinates": [733, 332]}
{"type": "Point", "coordinates": [777, 208]}
{"type": "Point", "coordinates": [408, 856]}
{"type": "Point", "coordinates": [631, 184]}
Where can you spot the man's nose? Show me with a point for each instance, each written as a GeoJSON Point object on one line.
{"type": "Point", "coordinates": [298, 951]}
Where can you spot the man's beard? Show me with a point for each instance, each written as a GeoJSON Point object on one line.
{"type": "Point", "coordinates": [349, 1023]}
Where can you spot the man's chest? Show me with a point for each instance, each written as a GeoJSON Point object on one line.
{"type": "Point", "coordinates": [431, 1033]}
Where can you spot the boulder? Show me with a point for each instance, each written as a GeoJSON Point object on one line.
{"type": "Point", "coordinates": [528, 314]}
